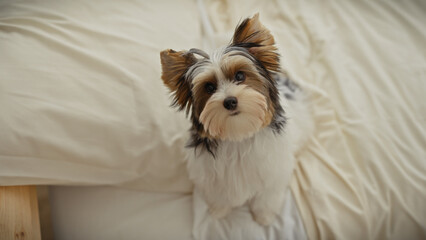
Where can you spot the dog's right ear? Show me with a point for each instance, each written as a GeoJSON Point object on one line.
{"type": "Point", "coordinates": [259, 41]}
{"type": "Point", "coordinates": [174, 65]}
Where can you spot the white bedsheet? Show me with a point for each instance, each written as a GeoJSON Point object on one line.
{"type": "Point", "coordinates": [117, 213]}
{"type": "Point", "coordinates": [112, 213]}
{"type": "Point", "coordinates": [81, 101]}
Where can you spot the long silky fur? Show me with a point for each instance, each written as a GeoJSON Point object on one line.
{"type": "Point", "coordinates": [255, 168]}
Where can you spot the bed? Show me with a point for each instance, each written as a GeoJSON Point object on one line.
{"type": "Point", "coordinates": [83, 110]}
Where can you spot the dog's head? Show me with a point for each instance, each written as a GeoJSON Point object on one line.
{"type": "Point", "coordinates": [231, 94]}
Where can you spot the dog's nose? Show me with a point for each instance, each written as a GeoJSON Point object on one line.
{"type": "Point", "coordinates": [230, 103]}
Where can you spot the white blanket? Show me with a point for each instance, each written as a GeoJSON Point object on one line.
{"type": "Point", "coordinates": [81, 98]}
{"type": "Point", "coordinates": [81, 101]}
{"type": "Point", "coordinates": [111, 213]}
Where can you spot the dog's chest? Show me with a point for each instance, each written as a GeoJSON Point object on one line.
{"type": "Point", "coordinates": [240, 168]}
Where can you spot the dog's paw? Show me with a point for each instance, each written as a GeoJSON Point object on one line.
{"type": "Point", "coordinates": [219, 212]}
{"type": "Point", "coordinates": [264, 218]}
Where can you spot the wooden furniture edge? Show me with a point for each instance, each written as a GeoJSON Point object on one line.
{"type": "Point", "coordinates": [19, 216]}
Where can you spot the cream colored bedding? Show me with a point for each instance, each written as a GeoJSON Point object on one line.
{"type": "Point", "coordinates": [363, 176]}
{"type": "Point", "coordinates": [81, 101]}
{"type": "Point", "coordinates": [111, 213]}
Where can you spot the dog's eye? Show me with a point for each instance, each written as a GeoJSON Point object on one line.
{"type": "Point", "coordinates": [210, 88]}
{"type": "Point", "coordinates": [240, 76]}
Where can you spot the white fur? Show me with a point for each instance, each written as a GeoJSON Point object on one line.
{"type": "Point", "coordinates": [256, 170]}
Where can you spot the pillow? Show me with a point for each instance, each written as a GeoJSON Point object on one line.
{"type": "Point", "coordinates": [81, 97]}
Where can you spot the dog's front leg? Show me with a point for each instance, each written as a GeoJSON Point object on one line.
{"type": "Point", "coordinates": [267, 204]}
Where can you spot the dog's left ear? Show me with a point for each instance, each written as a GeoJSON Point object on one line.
{"type": "Point", "coordinates": [174, 65]}
{"type": "Point", "coordinates": [252, 35]}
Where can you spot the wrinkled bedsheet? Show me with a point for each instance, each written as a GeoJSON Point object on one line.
{"type": "Point", "coordinates": [82, 103]}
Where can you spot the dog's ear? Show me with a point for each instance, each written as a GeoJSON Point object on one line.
{"type": "Point", "coordinates": [174, 65]}
{"type": "Point", "coordinates": [252, 35]}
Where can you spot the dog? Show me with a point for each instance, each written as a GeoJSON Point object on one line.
{"type": "Point", "coordinates": [248, 120]}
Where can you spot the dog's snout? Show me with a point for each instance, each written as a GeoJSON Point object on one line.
{"type": "Point", "coordinates": [230, 103]}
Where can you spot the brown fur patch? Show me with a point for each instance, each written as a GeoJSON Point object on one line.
{"type": "Point", "coordinates": [251, 31]}
{"type": "Point", "coordinates": [174, 65]}
{"type": "Point", "coordinates": [200, 94]}
{"type": "Point", "coordinates": [232, 65]}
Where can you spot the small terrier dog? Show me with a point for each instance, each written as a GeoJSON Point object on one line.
{"type": "Point", "coordinates": [248, 120]}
